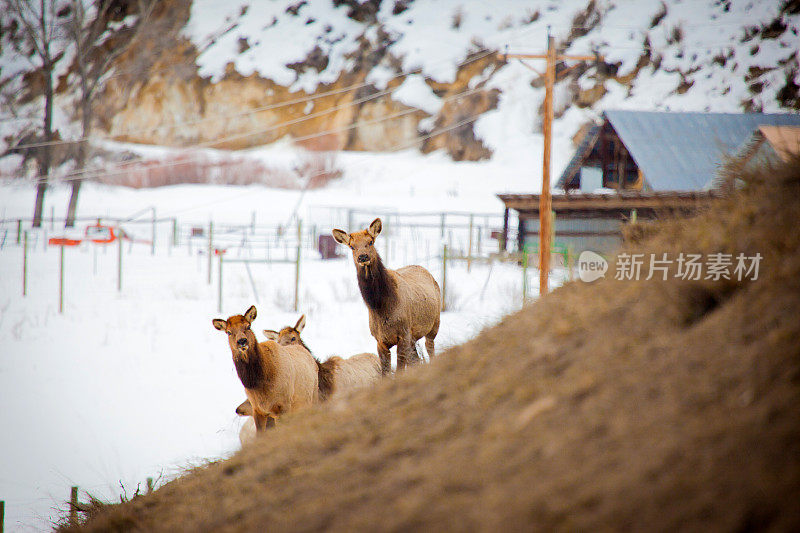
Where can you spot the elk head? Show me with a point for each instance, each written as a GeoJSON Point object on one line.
{"type": "Point", "coordinates": [240, 337]}
{"type": "Point", "coordinates": [362, 243]}
{"type": "Point", "coordinates": [288, 335]}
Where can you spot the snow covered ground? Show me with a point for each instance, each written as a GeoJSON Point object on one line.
{"type": "Point", "coordinates": [125, 385]}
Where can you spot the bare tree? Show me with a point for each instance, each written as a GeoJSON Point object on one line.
{"type": "Point", "coordinates": [95, 52]}
{"type": "Point", "coordinates": [41, 26]}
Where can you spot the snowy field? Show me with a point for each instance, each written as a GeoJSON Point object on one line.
{"type": "Point", "coordinates": [125, 385]}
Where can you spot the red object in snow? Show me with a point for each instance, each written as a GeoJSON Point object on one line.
{"type": "Point", "coordinates": [220, 251]}
{"type": "Point", "coordinates": [100, 234]}
{"type": "Point", "coordinates": [63, 241]}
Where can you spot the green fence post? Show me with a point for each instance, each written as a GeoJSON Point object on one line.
{"type": "Point", "coordinates": [524, 274]}
{"type": "Point", "coordinates": [25, 264]}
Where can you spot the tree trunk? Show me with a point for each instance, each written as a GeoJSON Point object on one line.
{"type": "Point", "coordinates": [83, 149]}
{"type": "Point", "coordinates": [44, 167]}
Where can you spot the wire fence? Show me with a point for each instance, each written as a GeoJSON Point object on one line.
{"type": "Point", "coordinates": [428, 238]}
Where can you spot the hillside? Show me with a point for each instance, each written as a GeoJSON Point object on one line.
{"type": "Point", "coordinates": [381, 75]}
{"type": "Point", "coordinates": [642, 405]}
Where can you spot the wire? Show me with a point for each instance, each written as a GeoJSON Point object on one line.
{"type": "Point", "coordinates": [94, 173]}
{"type": "Point", "coordinates": [395, 148]}
{"type": "Point", "coordinates": [484, 53]}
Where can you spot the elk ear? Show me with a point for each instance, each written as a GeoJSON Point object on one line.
{"type": "Point", "coordinates": [250, 314]}
{"type": "Point", "coordinates": [375, 228]}
{"type": "Point", "coordinates": [220, 324]}
{"type": "Point", "coordinates": [271, 335]}
{"type": "Point", "coordinates": [341, 237]}
{"type": "Point", "coordinates": [301, 323]}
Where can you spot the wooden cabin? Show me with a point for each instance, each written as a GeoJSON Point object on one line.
{"type": "Point", "coordinates": [638, 166]}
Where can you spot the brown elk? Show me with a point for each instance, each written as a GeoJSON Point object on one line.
{"type": "Point", "coordinates": [336, 375]}
{"type": "Point", "coordinates": [277, 379]}
{"type": "Point", "coordinates": [403, 304]}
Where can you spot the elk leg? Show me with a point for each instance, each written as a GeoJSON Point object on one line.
{"type": "Point", "coordinates": [406, 352]}
{"type": "Point", "coordinates": [429, 347]}
{"type": "Point", "coordinates": [386, 358]}
{"type": "Point", "coordinates": [429, 340]}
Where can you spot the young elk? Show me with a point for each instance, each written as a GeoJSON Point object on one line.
{"type": "Point", "coordinates": [277, 379]}
{"type": "Point", "coordinates": [336, 375]}
{"type": "Point", "coordinates": [403, 304]}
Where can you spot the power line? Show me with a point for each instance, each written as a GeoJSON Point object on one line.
{"type": "Point", "coordinates": [484, 53]}
{"type": "Point", "coordinates": [120, 170]}
{"type": "Point", "coordinates": [395, 148]}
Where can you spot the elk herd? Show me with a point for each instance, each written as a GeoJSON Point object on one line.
{"type": "Point", "coordinates": [281, 374]}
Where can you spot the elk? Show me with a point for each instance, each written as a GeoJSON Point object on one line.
{"type": "Point", "coordinates": [276, 378]}
{"type": "Point", "coordinates": [403, 304]}
{"type": "Point", "coordinates": [336, 375]}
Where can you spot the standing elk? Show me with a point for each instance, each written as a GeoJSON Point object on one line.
{"type": "Point", "coordinates": [403, 304]}
{"type": "Point", "coordinates": [277, 379]}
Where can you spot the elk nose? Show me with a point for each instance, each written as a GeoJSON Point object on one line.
{"type": "Point", "coordinates": [363, 258]}
{"type": "Point", "coordinates": [242, 342]}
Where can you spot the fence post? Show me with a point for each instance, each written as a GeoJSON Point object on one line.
{"type": "Point", "coordinates": [153, 240]}
{"type": "Point", "coordinates": [469, 246]}
{"type": "Point", "coordinates": [119, 265]}
{"type": "Point", "coordinates": [350, 220]}
{"type": "Point", "coordinates": [210, 247]}
{"type": "Point", "coordinates": [253, 223]}
{"type": "Point", "coordinates": [219, 295]}
{"type": "Point", "coordinates": [2, 515]}
{"type": "Point", "coordinates": [52, 217]}
{"type": "Point", "coordinates": [19, 229]}
{"type": "Point", "coordinates": [61, 280]}
{"type": "Point", "coordinates": [25, 264]}
{"type": "Point", "coordinates": [297, 265]}
{"type": "Point", "coordinates": [175, 242]}
{"type": "Point", "coordinates": [444, 275]}
{"type": "Point", "coordinates": [73, 500]}
{"type": "Point", "coordinates": [443, 225]}
{"type": "Point", "coordinates": [571, 262]}
{"type": "Point", "coordinates": [524, 274]}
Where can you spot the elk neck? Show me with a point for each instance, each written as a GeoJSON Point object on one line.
{"type": "Point", "coordinates": [376, 285]}
{"type": "Point", "coordinates": [257, 370]}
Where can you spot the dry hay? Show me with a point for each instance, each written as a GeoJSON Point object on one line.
{"type": "Point", "coordinates": [615, 405]}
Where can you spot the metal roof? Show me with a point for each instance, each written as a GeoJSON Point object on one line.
{"type": "Point", "coordinates": [683, 151]}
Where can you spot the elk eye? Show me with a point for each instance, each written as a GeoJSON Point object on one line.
{"type": "Point", "coordinates": [293, 339]}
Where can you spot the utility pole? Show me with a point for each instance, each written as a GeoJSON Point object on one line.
{"type": "Point", "coordinates": [545, 200]}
